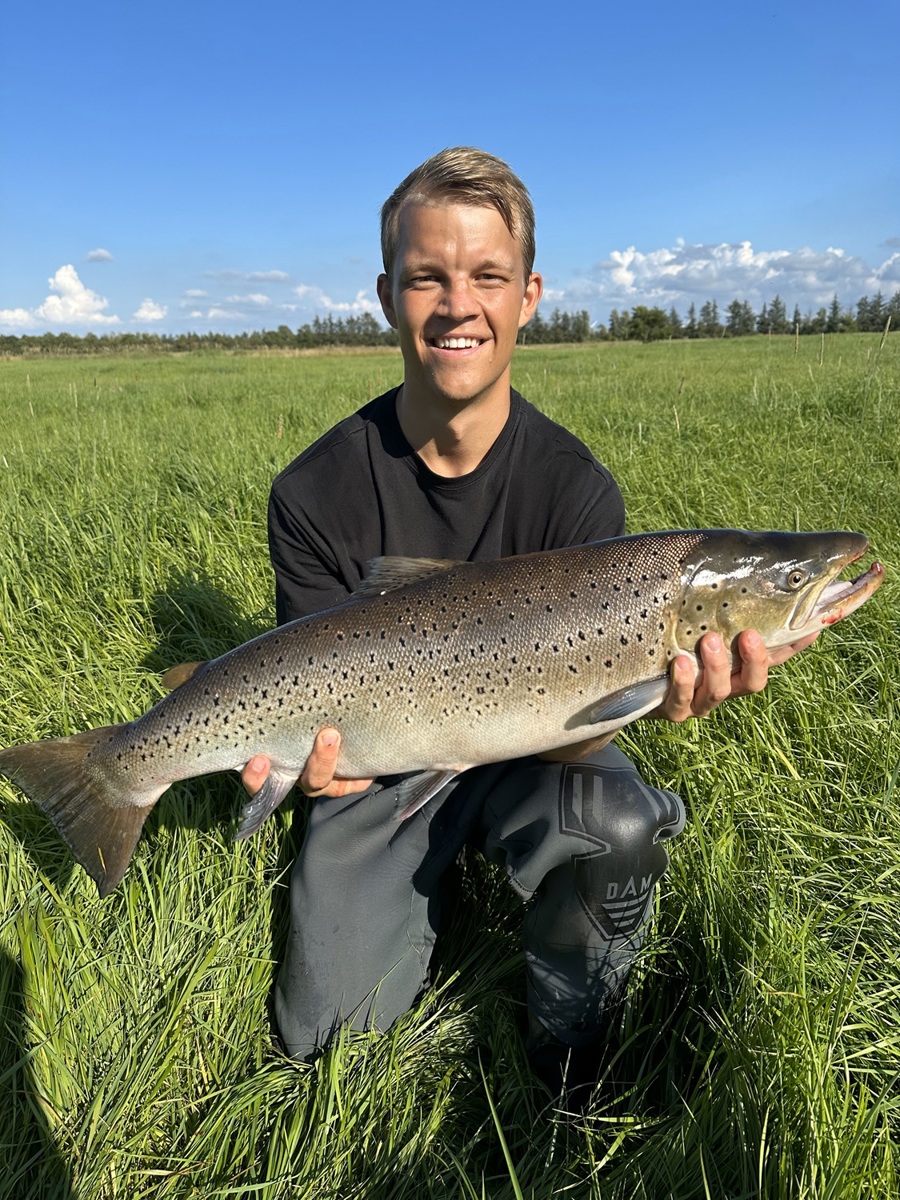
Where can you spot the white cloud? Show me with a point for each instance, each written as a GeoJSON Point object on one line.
{"type": "Point", "coordinates": [150, 311]}
{"type": "Point", "coordinates": [196, 294]}
{"type": "Point", "coordinates": [683, 274]}
{"type": "Point", "coordinates": [17, 318]}
{"type": "Point", "coordinates": [70, 305]}
{"type": "Point", "coordinates": [888, 273]}
{"type": "Point", "coordinates": [99, 255]}
{"type": "Point", "coordinates": [256, 298]}
{"type": "Point", "coordinates": [251, 276]}
{"type": "Point", "coordinates": [73, 303]}
{"type": "Point", "coordinates": [317, 299]}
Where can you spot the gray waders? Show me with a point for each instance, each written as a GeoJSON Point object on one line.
{"type": "Point", "coordinates": [582, 842]}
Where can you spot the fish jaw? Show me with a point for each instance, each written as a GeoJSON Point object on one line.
{"type": "Point", "coordinates": [841, 598]}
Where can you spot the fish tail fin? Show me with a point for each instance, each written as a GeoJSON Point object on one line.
{"type": "Point", "coordinates": [97, 820]}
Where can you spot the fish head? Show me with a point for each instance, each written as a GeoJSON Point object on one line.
{"type": "Point", "coordinates": [784, 585]}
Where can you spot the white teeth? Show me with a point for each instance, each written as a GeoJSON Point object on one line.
{"type": "Point", "coordinates": [453, 343]}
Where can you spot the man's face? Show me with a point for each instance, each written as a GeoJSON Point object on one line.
{"type": "Point", "coordinates": [458, 296]}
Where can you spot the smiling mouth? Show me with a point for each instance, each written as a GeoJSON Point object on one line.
{"type": "Point", "coordinates": [456, 343]}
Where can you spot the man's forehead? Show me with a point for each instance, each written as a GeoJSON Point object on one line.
{"type": "Point", "coordinates": [481, 223]}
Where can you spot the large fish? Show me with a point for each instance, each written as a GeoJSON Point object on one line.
{"type": "Point", "coordinates": [436, 667]}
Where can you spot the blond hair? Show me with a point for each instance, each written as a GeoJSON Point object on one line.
{"type": "Point", "coordinates": [462, 175]}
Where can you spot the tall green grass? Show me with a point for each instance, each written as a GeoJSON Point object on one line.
{"type": "Point", "coordinates": [761, 1055]}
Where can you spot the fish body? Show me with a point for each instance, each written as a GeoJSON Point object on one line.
{"type": "Point", "coordinates": [435, 667]}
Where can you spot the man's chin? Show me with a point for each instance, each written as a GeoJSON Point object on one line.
{"type": "Point", "coordinates": [455, 387]}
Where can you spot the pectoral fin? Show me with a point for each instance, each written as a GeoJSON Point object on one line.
{"type": "Point", "coordinates": [624, 705]}
{"type": "Point", "coordinates": [415, 792]}
{"type": "Point", "coordinates": [264, 803]}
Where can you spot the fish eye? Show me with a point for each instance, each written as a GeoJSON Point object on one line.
{"type": "Point", "coordinates": [796, 579]}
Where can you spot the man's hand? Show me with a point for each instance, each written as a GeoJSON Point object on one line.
{"type": "Point", "coordinates": [317, 778]}
{"type": "Point", "coordinates": [717, 681]}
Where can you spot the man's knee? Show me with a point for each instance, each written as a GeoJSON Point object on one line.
{"type": "Point", "coordinates": [593, 829]}
{"type": "Point", "coordinates": [607, 806]}
{"type": "Point", "coordinates": [612, 829]}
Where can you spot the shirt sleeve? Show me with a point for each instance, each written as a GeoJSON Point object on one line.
{"type": "Point", "coordinates": [307, 575]}
{"type": "Point", "coordinates": [602, 516]}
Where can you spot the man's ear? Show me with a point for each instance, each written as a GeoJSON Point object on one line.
{"type": "Point", "coordinates": [534, 289]}
{"type": "Point", "coordinates": [386, 296]}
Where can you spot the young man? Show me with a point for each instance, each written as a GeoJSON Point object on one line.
{"type": "Point", "coordinates": [454, 464]}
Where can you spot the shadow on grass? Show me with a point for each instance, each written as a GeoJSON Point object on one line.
{"type": "Point", "coordinates": [196, 621]}
{"type": "Point", "coordinates": [32, 1166]}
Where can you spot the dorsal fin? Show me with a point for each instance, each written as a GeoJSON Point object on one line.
{"type": "Point", "coordinates": [390, 572]}
{"type": "Point", "coordinates": [176, 676]}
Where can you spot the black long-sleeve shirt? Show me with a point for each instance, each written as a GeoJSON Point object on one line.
{"type": "Point", "coordinates": [361, 491]}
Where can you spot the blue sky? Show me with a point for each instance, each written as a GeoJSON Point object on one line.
{"type": "Point", "coordinates": [221, 166]}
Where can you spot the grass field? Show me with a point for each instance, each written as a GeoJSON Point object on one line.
{"type": "Point", "coordinates": [763, 1039]}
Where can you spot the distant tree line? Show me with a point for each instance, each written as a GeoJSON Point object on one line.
{"type": "Point", "coordinates": [641, 323]}
{"type": "Point", "coordinates": [645, 324]}
{"type": "Point", "coordinates": [363, 331]}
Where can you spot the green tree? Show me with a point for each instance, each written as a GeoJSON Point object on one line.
{"type": "Point", "coordinates": [741, 320]}
{"type": "Point", "coordinates": [778, 322]}
{"type": "Point", "coordinates": [618, 324]}
{"type": "Point", "coordinates": [648, 324]}
{"type": "Point", "coordinates": [833, 324]}
{"type": "Point", "coordinates": [709, 324]}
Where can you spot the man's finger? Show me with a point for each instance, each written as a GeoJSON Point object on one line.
{"type": "Point", "coordinates": [320, 766]}
{"type": "Point", "coordinates": [676, 704]}
{"type": "Point", "coordinates": [255, 773]}
{"type": "Point", "coordinates": [753, 674]}
{"type": "Point", "coordinates": [716, 680]}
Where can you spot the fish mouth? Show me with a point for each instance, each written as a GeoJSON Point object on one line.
{"type": "Point", "coordinates": [840, 599]}
{"type": "Point", "coordinates": [843, 596]}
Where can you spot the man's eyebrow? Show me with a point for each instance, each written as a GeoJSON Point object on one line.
{"type": "Point", "coordinates": [416, 266]}
{"type": "Point", "coordinates": [498, 264]}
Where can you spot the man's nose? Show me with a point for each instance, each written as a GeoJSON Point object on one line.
{"type": "Point", "coordinates": [457, 300]}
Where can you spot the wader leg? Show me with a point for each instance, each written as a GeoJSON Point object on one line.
{"type": "Point", "coordinates": [364, 910]}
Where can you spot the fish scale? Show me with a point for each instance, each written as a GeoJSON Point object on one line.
{"type": "Point", "coordinates": [435, 667]}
